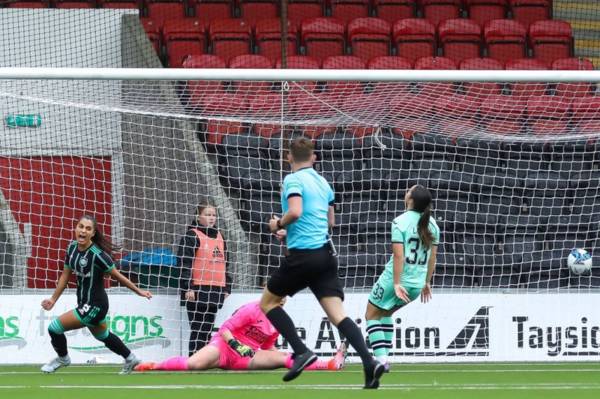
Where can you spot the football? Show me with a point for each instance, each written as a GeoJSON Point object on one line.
{"type": "Point", "coordinates": [579, 261]}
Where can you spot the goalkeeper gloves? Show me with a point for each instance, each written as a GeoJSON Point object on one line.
{"type": "Point", "coordinates": [243, 350]}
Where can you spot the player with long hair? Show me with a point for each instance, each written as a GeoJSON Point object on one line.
{"type": "Point", "coordinates": [246, 341]}
{"type": "Point", "coordinates": [89, 259]}
{"type": "Point", "coordinates": [415, 237]}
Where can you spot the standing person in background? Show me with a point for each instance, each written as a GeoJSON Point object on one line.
{"type": "Point", "coordinates": [205, 279]}
{"type": "Point", "coordinates": [89, 259]}
{"type": "Point", "coordinates": [307, 201]}
{"type": "Point", "coordinates": [415, 237]}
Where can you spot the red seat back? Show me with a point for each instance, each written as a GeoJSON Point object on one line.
{"type": "Point", "coordinates": [323, 37]}
{"type": "Point", "coordinates": [210, 10]}
{"type": "Point", "coordinates": [253, 11]}
{"type": "Point", "coordinates": [460, 39]}
{"type": "Point", "coordinates": [394, 10]}
{"type": "Point", "coordinates": [574, 89]}
{"type": "Point", "coordinates": [529, 11]}
{"type": "Point", "coordinates": [414, 38]}
{"type": "Point", "coordinates": [267, 35]}
{"type": "Point", "coordinates": [505, 39]}
{"type": "Point", "coordinates": [347, 10]}
{"type": "Point", "coordinates": [183, 38]}
{"type": "Point", "coordinates": [436, 11]}
{"type": "Point", "coordinates": [482, 11]}
{"type": "Point", "coordinates": [369, 37]}
{"type": "Point", "coordinates": [551, 40]}
{"type": "Point", "coordinates": [481, 89]}
{"type": "Point", "coordinates": [229, 38]}
{"type": "Point", "coordinates": [527, 89]}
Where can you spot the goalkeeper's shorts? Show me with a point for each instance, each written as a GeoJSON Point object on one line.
{"type": "Point", "coordinates": [229, 359]}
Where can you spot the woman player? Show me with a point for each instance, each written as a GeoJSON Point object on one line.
{"type": "Point", "coordinates": [415, 237]}
{"type": "Point", "coordinates": [89, 259]}
{"type": "Point", "coordinates": [246, 341]}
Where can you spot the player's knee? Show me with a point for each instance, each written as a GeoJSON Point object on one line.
{"type": "Point", "coordinates": [268, 302]}
{"type": "Point", "coordinates": [56, 327]}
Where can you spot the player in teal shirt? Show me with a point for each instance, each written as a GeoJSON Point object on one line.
{"type": "Point", "coordinates": [415, 237]}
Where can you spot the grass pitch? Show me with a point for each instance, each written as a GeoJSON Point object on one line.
{"type": "Point", "coordinates": [414, 381]}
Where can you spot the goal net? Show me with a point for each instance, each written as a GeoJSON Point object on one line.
{"type": "Point", "coordinates": [514, 168]}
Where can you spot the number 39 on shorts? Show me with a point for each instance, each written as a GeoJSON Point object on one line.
{"type": "Point", "coordinates": [85, 308]}
{"type": "Point", "coordinates": [378, 292]}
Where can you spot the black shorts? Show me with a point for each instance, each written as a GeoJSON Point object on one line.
{"type": "Point", "coordinates": [91, 315]}
{"type": "Point", "coordinates": [316, 269]}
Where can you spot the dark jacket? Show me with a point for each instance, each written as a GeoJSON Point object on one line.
{"type": "Point", "coordinates": [187, 251]}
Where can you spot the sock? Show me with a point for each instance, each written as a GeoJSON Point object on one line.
{"type": "Point", "coordinates": [354, 336]}
{"type": "Point", "coordinates": [318, 365]}
{"type": "Point", "coordinates": [377, 339]}
{"type": "Point", "coordinates": [115, 344]}
{"type": "Point", "coordinates": [177, 363]}
{"type": "Point", "coordinates": [284, 324]}
{"type": "Point", "coordinates": [59, 343]}
{"type": "Point", "coordinates": [388, 331]}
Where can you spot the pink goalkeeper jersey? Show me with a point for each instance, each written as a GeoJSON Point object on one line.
{"type": "Point", "coordinates": [250, 326]}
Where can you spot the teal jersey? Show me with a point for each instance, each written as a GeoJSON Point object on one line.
{"type": "Point", "coordinates": [311, 230]}
{"type": "Point", "coordinates": [416, 256]}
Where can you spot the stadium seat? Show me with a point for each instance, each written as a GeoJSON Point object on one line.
{"type": "Point", "coordinates": [436, 11]}
{"type": "Point", "coordinates": [322, 37]}
{"type": "Point", "coordinates": [207, 11]}
{"type": "Point", "coordinates": [527, 89]}
{"type": "Point", "coordinates": [300, 62]}
{"type": "Point", "coordinates": [389, 62]}
{"type": "Point", "coordinates": [369, 37]}
{"type": "Point", "coordinates": [74, 4]}
{"type": "Point", "coordinates": [481, 89]}
{"type": "Point", "coordinates": [574, 89]}
{"type": "Point", "coordinates": [505, 39]}
{"type": "Point", "coordinates": [529, 11]}
{"type": "Point", "coordinates": [159, 11]}
{"type": "Point", "coordinates": [435, 63]}
{"type": "Point", "coordinates": [253, 11]}
{"type": "Point", "coordinates": [267, 38]}
{"type": "Point", "coordinates": [119, 4]}
{"type": "Point", "coordinates": [551, 40]}
{"type": "Point", "coordinates": [250, 61]}
{"type": "Point", "coordinates": [299, 10]}
{"type": "Point", "coordinates": [29, 4]}
{"type": "Point", "coordinates": [586, 112]}
{"type": "Point", "coordinates": [152, 32]}
{"type": "Point", "coordinates": [482, 11]}
{"type": "Point", "coordinates": [344, 62]}
{"type": "Point", "coordinates": [229, 37]}
{"type": "Point", "coordinates": [414, 38]}
{"type": "Point", "coordinates": [548, 114]}
{"type": "Point", "coordinates": [503, 114]}
{"type": "Point", "coordinates": [182, 38]}
{"type": "Point", "coordinates": [394, 10]}
{"type": "Point", "coordinates": [460, 39]}
{"type": "Point", "coordinates": [457, 107]}
{"type": "Point", "coordinates": [196, 90]}
{"type": "Point", "coordinates": [347, 10]}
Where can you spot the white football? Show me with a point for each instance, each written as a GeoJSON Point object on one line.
{"type": "Point", "coordinates": [579, 261]}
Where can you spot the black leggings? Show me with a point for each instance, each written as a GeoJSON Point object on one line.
{"type": "Point", "coordinates": [202, 318]}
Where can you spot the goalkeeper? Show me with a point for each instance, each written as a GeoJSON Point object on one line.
{"type": "Point", "coordinates": [246, 341]}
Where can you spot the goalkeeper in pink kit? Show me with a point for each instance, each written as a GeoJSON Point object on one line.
{"type": "Point", "coordinates": [246, 341]}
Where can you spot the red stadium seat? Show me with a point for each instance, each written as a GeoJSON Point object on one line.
{"type": "Point", "coordinates": [482, 11]}
{"type": "Point", "coordinates": [414, 38]}
{"type": "Point", "coordinates": [152, 32]}
{"type": "Point", "coordinates": [586, 109]}
{"type": "Point", "coordinates": [481, 89]}
{"type": "Point", "coordinates": [344, 62]}
{"type": "Point", "coordinates": [389, 62]}
{"type": "Point", "coordinates": [503, 114]}
{"type": "Point", "coordinates": [182, 38]}
{"type": "Point", "coordinates": [207, 11]}
{"type": "Point", "coordinates": [505, 39]}
{"type": "Point", "coordinates": [460, 39]}
{"type": "Point", "coordinates": [119, 4]}
{"type": "Point", "coordinates": [322, 37]}
{"type": "Point", "coordinates": [551, 40]}
{"type": "Point", "coordinates": [394, 10]}
{"type": "Point", "coordinates": [29, 4]}
{"type": "Point", "coordinates": [458, 106]}
{"type": "Point", "coordinates": [250, 61]}
{"type": "Point", "coordinates": [299, 10]}
{"type": "Point", "coordinates": [529, 11]}
{"type": "Point", "coordinates": [229, 37]}
{"type": "Point", "coordinates": [436, 11]}
{"type": "Point", "coordinates": [526, 89]}
{"type": "Point", "coordinates": [159, 11]}
{"type": "Point", "coordinates": [300, 62]}
{"type": "Point", "coordinates": [254, 10]}
{"type": "Point", "coordinates": [436, 63]}
{"type": "Point", "coordinates": [268, 38]}
{"type": "Point", "coordinates": [347, 10]}
{"type": "Point", "coordinates": [369, 37]}
{"type": "Point", "coordinates": [548, 114]}
{"type": "Point", "coordinates": [403, 104]}
{"type": "Point", "coordinates": [196, 90]}
{"type": "Point", "coordinates": [74, 4]}
{"type": "Point", "coordinates": [574, 89]}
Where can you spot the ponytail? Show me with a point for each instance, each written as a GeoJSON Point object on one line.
{"type": "Point", "coordinates": [423, 228]}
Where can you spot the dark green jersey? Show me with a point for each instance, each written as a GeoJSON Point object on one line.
{"type": "Point", "coordinates": [89, 266]}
